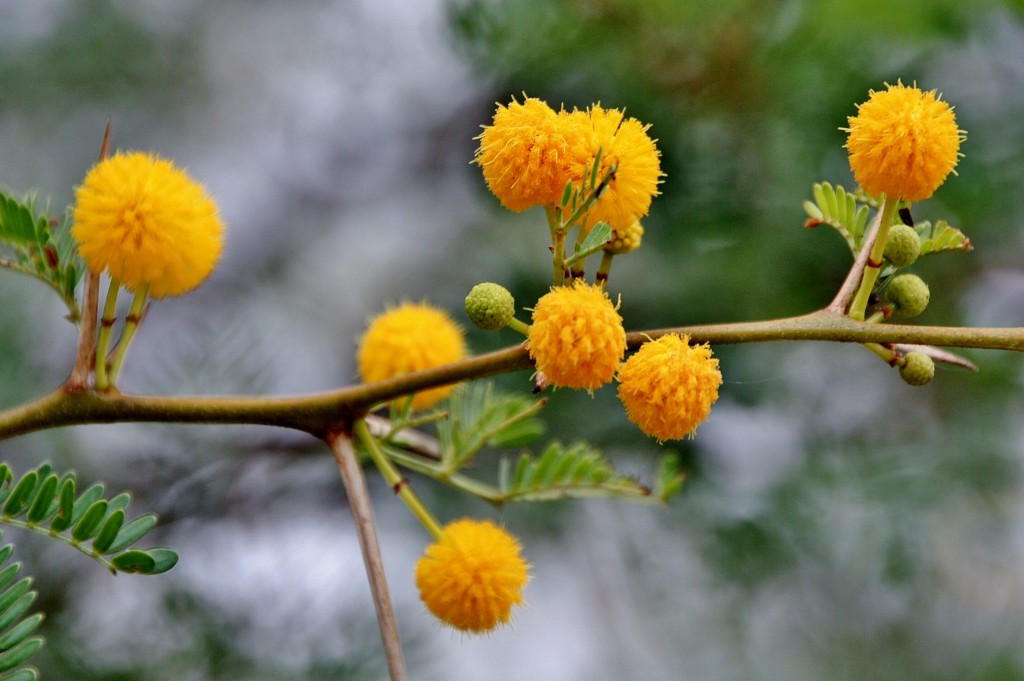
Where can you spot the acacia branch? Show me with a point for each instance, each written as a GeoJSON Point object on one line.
{"type": "Point", "coordinates": [318, 414]}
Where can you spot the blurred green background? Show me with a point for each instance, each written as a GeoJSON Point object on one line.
{"type": "Point", "coordinates": [837, 524]}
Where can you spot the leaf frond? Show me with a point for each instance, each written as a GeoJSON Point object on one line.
{"type": "Point", "coordinates": [33, 244]}
{"type": "Point", "coordinates": [574, 471]}
{"type": "Point", "coordinates": [49, 504]}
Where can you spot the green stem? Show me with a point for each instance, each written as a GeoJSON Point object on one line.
{"type": "Point", "coordinates": [874, 262]}
{"type": "Point", "coordinates": [70, 541]}
{"type": "Point", "coordinates": [398, 483]}
{"type": "Point", "coordinates": [887, 354]}
{"type": "Point", "coordinates": [106, 328]}
{"type": "Point", "coordinates": [131, 324]}
{"type": "Point", "coordinates": [557, 245]}
{"type": "Point", "coordinates": [604, 270]}
{"type": "Point", "coordinates": [458, 481]}
{"type": "Point", "coordinates": [520, 326]}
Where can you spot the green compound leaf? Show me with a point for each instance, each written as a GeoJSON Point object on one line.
{"type": "Point", "coordinates": [845, 212]}
{"type": "Point", "coordinates": [32, 244]}
{"type": "Point", "coordinates": [480, 416]}
{"type": "Point", "coordinates": [941, 237]}
{"type": "Point", "coordinates": [562, 472]}
{"type": "Point", "coordinates": [48, 504]}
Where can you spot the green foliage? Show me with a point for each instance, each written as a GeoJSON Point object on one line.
{"type": "Point", "coordinates": [575, 471]}
{"type": "Point", "coordinates": [941, 237]}
{"type": "Point", "coordinates": [479, 417]}
{"type": "Point", "coordinates": [596, 239]}
{"type": "Point", "coordinates": [848, 214]}
{"type": "Point", "coordinates": [47, 503]}
{"type": "Point", "coordinates": [34, 245]}
{"type": "Point", "coordinates": [17, 644]}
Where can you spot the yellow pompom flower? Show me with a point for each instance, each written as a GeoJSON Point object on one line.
{"type": "Point", "coordinates": [625, 142]}
{"type": "Point", "coordinates": [529, 153]}
{"type": "Point", "coordinates": [903, 143]}
{"type": "Point", "coordinates": [668, 386]}
{"type": "Point", "coordinates": [411, 337]}
{"type": "Point", "coordinates": [471, 577]}
{"type": "Point", "coordinates": [147, 224]}
{"type": "Point", "coordinates": [577, 339]}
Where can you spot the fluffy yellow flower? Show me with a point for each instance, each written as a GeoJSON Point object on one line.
{"type": "Point", "coordinates": [472, 576]}
{"type": "Point", "coordinates": [408, 338]}
{"type": "Point", "coordinates": [668, 386]}
{"type": "Point", "coordinates": [577, 339]}
{"type": "Point", "coordinates": [147, 223]}
{"type": "Point", "coordinates": [623, 141]}
{"type": "Point", "coordinates": [529, 153]}
{"type": "Point", "coordinates": [903, 143]}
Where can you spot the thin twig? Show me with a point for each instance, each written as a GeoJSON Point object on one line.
{"type": "Point", "coordinates": [362, 512]}
{"type": "Point", "coordinates": [85, 355]}
{"type": "Point", "coordinates": [841, 303]}
{"type": "Point", "coordinates": [79, 379]}
{"type": "Point", "coordinates": [411, 440]}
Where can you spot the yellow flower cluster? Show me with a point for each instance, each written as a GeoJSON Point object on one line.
{"type": "Point", "coordinates": [147, 224]}
{"type": "Point", "coordinates": [903, 143]}
{"type": "Point", "coordinates": [668, 386]}
{"type": "Point", "coordinates": [472, 576]}
{"type": "Point", "coordinates": [411, 337]}
{"type": "Point", "coordinates": [577, 339]}
{"type": "Point", "coordinates": [530, 152]}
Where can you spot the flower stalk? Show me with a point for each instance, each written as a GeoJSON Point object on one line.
{"type": "Point", "coordinates": [107, 321]}
{"type": "Point", "coordinates": [131, 325]}
{"type": "Point", "coordinates": [396, 480]}
{"type": "Point", "coordinates": [873, 264]}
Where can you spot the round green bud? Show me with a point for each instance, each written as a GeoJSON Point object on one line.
{"type": "Point", "coordinates": [908, 294]}
{"type": "Point", "coordinates": [903, 246]}
{"type": "Point", "coordinates": [918, 369]}
{"type": "Point", "coordinates": [490, 306]}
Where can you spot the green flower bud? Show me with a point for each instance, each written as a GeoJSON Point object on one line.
{"type": "Point", "coordinates": [908, 294]}
{"type": "Point", "coordinates": [903, 246]}
{"type": "Point", "coordinates": [490, 306]}
{"type": "Point", "coordinates": [918, 369]}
